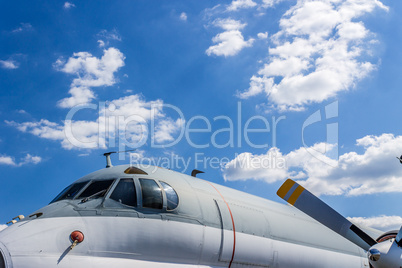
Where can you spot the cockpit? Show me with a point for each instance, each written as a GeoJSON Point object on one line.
{"type": "Point", "coordinates": [137, 192]}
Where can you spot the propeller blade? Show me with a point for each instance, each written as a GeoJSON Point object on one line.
{"type": "Point", "coordinates": [297, 196]}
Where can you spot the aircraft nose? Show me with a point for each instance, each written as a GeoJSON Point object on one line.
{"type": "Point", "coordinates": [5, 258]}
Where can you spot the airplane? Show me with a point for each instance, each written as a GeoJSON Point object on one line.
{"type": "Point", "coordinates": [146, 216]}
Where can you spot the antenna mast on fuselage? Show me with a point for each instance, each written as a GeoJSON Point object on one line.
{"type": "Point", "coordinates": [109, 161]}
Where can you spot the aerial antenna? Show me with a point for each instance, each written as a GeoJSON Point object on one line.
{"type": "Point", "coordinates": [195, 172]}
{"type": "Point", "coordinates": [109, 161]}
{"type": "Point", "coordinates": [400, 159]}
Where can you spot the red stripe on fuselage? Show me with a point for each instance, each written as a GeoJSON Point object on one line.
{"type": "Point", "coordinates": [233, 224]}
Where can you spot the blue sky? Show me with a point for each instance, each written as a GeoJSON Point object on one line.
{"type": "Point", "coordinates": [318, 79]}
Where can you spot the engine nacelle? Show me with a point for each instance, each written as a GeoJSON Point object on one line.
{"type": "Point", "coordinates": [387, 236]}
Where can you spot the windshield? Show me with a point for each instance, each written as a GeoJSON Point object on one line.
{"type": "Point", "coordinates": [96, 189]}
{"type": "Point", "coordinates": [70, 192]}
{"type": "Point", "coordinates": [125, 193]}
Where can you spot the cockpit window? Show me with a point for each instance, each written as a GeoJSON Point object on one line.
{"type": "Point", "coordinates": [124, 193]}
{"type": "Point", "coordinates": [98, 188]}
{"type": "Point", "coordinates": [171, 195]}
{"type": "Point", "coordinates": [70, 192]}
{"type": "Point", "coordinates": [151, 194]}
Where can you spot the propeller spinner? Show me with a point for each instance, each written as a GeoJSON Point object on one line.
{"type": "Point", "coordinates": [381, 255]}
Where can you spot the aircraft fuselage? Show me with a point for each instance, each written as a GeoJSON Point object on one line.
{"type": "Point", "coordinates": [209, 226]}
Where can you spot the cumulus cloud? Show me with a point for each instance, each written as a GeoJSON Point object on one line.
{"type": "Point", "coordinates": [166, 128]}
{"type": "Point", "coordinates": [231, 41]}
{"type": "Point", "coordinates": [91, 72]}
{"type": "Point", "coordinates": [373, 171]}
{"type": "Point", "coordinates": [384, 223]}
{"type": "Point", "coordinates": [7, 160]}
{"type": "Point", "coordinates": [269, 167]}
{"type": "Point", "coordinates": [125, 121]}
{"type": "Point", "coordinates": [68, 5]}
{"type": "Point", "coordinates": [270, 3]}
{"type": "Point", "coordinates": [79, 96]}
{"type": "Point", "coordinates": [28, 159]}
{"type": "Point", "coordinates": [183, 16]}
{"type": "Point", "coordinates": [94, 72]}
{"type": "Point", "coordinates": [319, 51]}
{"type": "Point", "coordinates": [9, 64]}
{"type": "Point", "coordinates": [257, 85]}
{"type": "Point", "coordinates": [262, 35]}
{"type": "Point", "coordinates": [240, 4]}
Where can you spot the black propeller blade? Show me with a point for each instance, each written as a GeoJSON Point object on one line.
{"type": "Point", "coordinates": [297, 196]}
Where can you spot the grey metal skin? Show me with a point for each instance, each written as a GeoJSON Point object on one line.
{"type": "Point", "coordinates": [213, 226]}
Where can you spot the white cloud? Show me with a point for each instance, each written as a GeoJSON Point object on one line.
{"type": "Point", "coordinates": [257, 167]}
{"type": "Point", "coordinates": [262, 35]}
{"type": "Point", "coordinates": [68, 5]}
{"type": "Point", "coordinates": [384, 223]}
{"type": "Point", "coordinates": [319, 51]}
{"type": "Point", "coordinates": [105, 37]}
{"type": "Point", "coordinates": [109, 35]}
{"type": "Point", "coordinates": [183, 16]}
{"type": "Point", "coordinates": [28, 159]}
{"type": "Point", "coordinates": [101, 43]}
{"type": "Point", "coordinates": [229, 44]}
{"type": "Point", "coordinates": [231, 41]}
{"type": "Point", "coordinates": [31, 159]}
{"type": "Point", "coordinates": [374, 171]}
{"type": "Point", "coordinates": [240, 4]}
{"type": "Point", "coordinates": [124, 120]}
{"type": "Point", "coordinates": [229, 24]}
{"type": "Point", "coordinates": [8, 64]}
{"type": "Point", "coordinates": [91, 72]}
{"type": "Point", "coordinates": [7, 160]}
{"type": "Point", "coordinates": [23, 27]}
{"type": "Point", "coordinates": [79, 96]}
{"type": "Point", "coordinates": [166, 128]}
{"type": "Point", "coordinates": [257, 85]}
{"type": "Point", "coordinates": [43, 128]}
{"type": "Point", "coordinates": [269, 3]}
{"type": "Point", "coordinates": [3, 226]}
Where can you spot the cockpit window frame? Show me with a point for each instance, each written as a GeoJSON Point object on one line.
{"type": "Point", "coordinates": [163, 209]}
{"type": "Point", "coordinates": [138, 190]}
{"type": "Point", "coordinates": [65, 190]}
{"type": "Point", "coordinates": [113, 187]}
{"type": "Point", "coordinates": [165, 198]}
